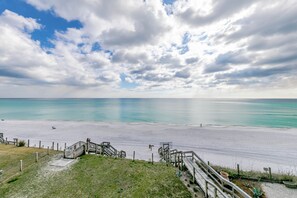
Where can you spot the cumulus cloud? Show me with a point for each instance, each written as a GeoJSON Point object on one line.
{"type": "Point", "coordinates": [200, 45]}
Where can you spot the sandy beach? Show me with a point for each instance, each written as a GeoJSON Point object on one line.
{"type": "Point", "coordinates": [252, 148]}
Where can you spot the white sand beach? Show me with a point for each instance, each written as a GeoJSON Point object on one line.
{"type": "Point", "coordinates": [252, 148]}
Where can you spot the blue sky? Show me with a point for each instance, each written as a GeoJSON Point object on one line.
{"type": "Point", "coordinates": [50, 21]}
{"type": "Point", "coordinates": [170, 48]}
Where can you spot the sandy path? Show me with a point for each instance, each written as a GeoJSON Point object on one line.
{"type": "Point", "coordinates": [278, 191]}
{"type": "Point", "coordinates": [252, 148]}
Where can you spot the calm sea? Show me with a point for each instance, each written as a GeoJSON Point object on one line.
{"type": "Point", "coordinates": [245, 112]}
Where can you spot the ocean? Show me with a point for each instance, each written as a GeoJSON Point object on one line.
{"type": "Point", "coordinates": [280, 113]}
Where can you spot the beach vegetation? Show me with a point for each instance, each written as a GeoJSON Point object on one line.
{"type": "Point", "coordinates": [257, 175]}
{"type": "Point", "coordinates": [10, 157]}
{"type": "Point", "coordinates": [21, 143]}
{"type": "Point", "coordinates": [97, 176]}
{"type": "Point", "coordinates": [257, 192]}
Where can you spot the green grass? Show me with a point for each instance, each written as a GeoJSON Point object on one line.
{"type": "Point", "coordinates": [11, 155]}
{"type": "Point", "coordinates": [94, 176]}
{"type": "Point", "coordinates": [257, 175]}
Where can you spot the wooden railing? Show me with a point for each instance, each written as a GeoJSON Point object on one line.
{"type": "Point", "coordinates": [81, 147]}
{"type": "Point", "coordinates": [75, 150]}
{"type": "Point", "coordinates": [220, 181]}
{"type": "Point", "coordinates": [209, 187]}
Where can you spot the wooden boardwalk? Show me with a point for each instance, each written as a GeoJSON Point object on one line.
{"type": "Point", "coordinates": [205, 183]}
{"type": "Point", "coordinates": [211, 182]}
{"type": "Point", "coordinates": [80, 148]}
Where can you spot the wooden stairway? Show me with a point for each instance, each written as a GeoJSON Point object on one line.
{"type": "Point", "coordinates": [211, 182]}
{"type": "Point", "coordinates": [80, 148]}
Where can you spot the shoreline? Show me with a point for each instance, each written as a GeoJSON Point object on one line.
{"type": "Point", "coordinates": [157, 123]}
{"type": "Point", "coordinates": [251, 147]}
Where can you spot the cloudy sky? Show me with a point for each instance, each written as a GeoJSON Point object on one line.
{"type": "Point", "coordinates": [148, 48]}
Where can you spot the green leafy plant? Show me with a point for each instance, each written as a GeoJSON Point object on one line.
{"type": "Point", "coordinates": [21, 143]}
{"type": "Point", "coordinates": [257, 192]}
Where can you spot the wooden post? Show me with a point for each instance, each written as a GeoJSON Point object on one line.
{"type": "Point", "coordinates": [39, 144]}
{"type": "Point", "coordinates": [57, 146]}
{"type": "Point", "coordinates": [206, 189]}
{"type": "Point", "coordinates": [36, 157]}
{"type": "Point", "coordinates": [48, 150]}
{"type": "Point", "coordinates": [192, 156]}
{"type": "Point", "coordinates": [175, 162]}
{"type": "Point", "coordinates": [133, 156]}
{"type": "Point", "coordinates": [270, 176]}
{"type": "Point", "coordinates": [21, 165]}
{"type": "Point", "coordinates": [6, 141]}
{"type": "Point", "coordinates": [194, 174]}
{"type": "Point", "coordinates": [178, 162]}
{"type": "Point", "coordinates": [65, 146]}
{"type": "Point", "coordinates": [233, 193]}
{"type": "Point", "coordinates": [53, 146]}
{"type": "Point", "coordinates": [28, 143]}
{"type": "Point", "coordinates": [238, 173]}
{"type": "Point", "coordinates": [152, 158]}
{"type": "Point", "coordinates": [182, 161]}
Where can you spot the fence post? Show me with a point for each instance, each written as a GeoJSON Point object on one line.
{"type": "Point", "coordinates": [193, 175]}
{"type": "Point", "coordinates": [133, 156]}
{"type": "Point", "coordinates": [238, 173]}
{"type": "Point", "coordinates": [57, 146]}
{"type": "Point", "coordinates": [182, 161]}
{"type": "Point", "coordinates": [270, 176]}
{"type": "Point", "coordinates": [178, 162]}
{"type": "Point", "coordinates": [21, 165]}
{"type": "Point", "coordinates": [65, 146]}
{"type": "Point", "coordinates": [39, 144]}
{"type": "Point", "coordinates": [53, 146]}
{"type": "Point", "coordinates": [206, 188]}
{"type": "Point", "coordinates": [48, 150]}
{"type": "Point", "coordinates": [36, 157]}
{"type": "Point", "coordinates": [233, 193]}
{"type": "Point", "coordinates": [175, 162]}
{"type": "Point", "coordinates": [152, 158]}
{"type": "Point", "coordinates": [28, 143]}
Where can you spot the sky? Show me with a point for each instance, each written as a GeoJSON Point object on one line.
{"type": "Point", "coordinates": [148, 48]}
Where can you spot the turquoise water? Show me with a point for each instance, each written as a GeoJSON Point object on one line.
{"type": "Point", "coordinates": [246, 112]}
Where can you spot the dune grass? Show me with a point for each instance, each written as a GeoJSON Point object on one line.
{"type": "Point", "coordinates": [11, 155]}
{"type": "Point", "coordinates": [95, 176]}
{"type": "Point", "coordinates": [257, 175]}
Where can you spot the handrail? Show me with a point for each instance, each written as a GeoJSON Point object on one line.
{"type": "Point", "coordinates": [209, 182]}
{"type": "Point", "coordinates": [211, 171]}
{"type": "Point", "coordinates": [75, 146]}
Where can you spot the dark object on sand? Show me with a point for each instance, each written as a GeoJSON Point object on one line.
{"type": "Point", "coordinates": [53, 127]}
{"type": "Point", "coordinates": [2, 119]}
{"type": "Point", "coordinates": [289, 184]}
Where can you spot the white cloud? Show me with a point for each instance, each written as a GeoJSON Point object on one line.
{"type": "Point", "coordinates": [194, 46]}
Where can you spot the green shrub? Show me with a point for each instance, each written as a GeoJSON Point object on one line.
{"type": "Point", "coordinates": [21, 143]}
{"type": "Point", "coordinates": [257, 192]}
